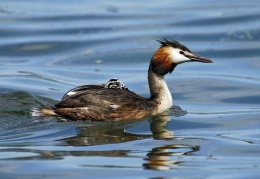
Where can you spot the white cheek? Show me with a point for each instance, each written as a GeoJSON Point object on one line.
{"type": "Point", "coordinates": [177, 57]}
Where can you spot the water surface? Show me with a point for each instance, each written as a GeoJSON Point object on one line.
{"type": "Point", "coordinates": [212, 131]}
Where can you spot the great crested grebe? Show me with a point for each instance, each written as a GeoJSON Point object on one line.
{"type": "Point", "coordinates": [114, 102]}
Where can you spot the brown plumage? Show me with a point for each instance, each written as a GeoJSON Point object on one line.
{"type": "Point", "coordinates": [162, 61]}
{"type": "Point", "coordinates": [102, 103]}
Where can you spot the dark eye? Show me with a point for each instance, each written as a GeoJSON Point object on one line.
{"type": "Point", "coordinates": [181, 52]}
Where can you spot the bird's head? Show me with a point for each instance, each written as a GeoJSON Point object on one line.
{"type": "Point", "coordinates": [170, 54]}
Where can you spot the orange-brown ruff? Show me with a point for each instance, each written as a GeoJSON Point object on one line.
{"type": "Point", "coordinates": [97, 103]}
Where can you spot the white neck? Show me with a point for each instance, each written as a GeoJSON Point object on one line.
{"type": "Point", "coordinates": [160, 93]}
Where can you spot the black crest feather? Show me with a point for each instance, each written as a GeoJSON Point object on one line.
{"type": "Point", "coordinates": [173, 43]}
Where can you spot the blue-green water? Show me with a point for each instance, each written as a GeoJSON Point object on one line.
{"type": "Point", "coordinates": [49, 47]}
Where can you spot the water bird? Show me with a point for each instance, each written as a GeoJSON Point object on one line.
{"type": "Point", "coordinates": [113, 101]}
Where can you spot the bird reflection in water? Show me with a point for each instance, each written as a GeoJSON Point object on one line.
{"type": "Point", "coordinates": [163, 157]}
{"type": "Point", "coordinates": [105, 133]}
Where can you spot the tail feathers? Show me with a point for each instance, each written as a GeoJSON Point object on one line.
{"type": "Point", "coordinates": [42, 112]}
{"type": "Point", "coordinates": [35, 112]}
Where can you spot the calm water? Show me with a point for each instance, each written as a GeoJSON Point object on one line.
{"type": "Point", "coordinates": [48, 47]}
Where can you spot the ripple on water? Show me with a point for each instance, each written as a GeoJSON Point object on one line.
{"type": "Point", "coordinates": [214, 128]}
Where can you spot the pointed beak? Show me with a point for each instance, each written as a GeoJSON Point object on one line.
{"type": "Point", "coordinates": [197, 58]}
